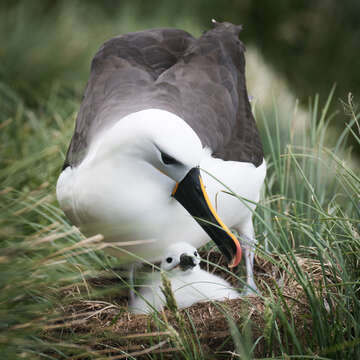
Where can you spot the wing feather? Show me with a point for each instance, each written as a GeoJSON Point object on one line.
{"type": "Point", "coordinates": [201, 80]}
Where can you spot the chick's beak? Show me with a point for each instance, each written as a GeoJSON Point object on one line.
{"type": "Point", "coordinates": [191, 194]}
{"type": "Point", "coordinates": [186, 262]}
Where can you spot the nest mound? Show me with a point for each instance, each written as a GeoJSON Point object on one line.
{"type": "Point", "coordinates": [108, 329]}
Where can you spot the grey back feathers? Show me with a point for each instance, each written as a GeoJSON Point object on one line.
{"type": "Point", "coordinates": [201, 80]}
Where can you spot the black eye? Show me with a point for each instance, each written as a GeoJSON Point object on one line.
{"type": "Point", "coordinates": [168, 160]}
{"type": "Point", "coordinates": [196, 253]}
{"type": "Point", "coordinates": [169, 260]}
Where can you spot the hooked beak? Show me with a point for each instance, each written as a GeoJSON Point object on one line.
{"type": "Point", "coordinates": [191, 194]}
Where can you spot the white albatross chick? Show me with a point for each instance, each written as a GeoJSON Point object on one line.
{"type": "Point", "coordinates": [189, 283]}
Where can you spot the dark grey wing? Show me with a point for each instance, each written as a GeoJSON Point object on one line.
{"type": "Point", "coordinates": [212, 95]}
{"type": "Point", "coordinates": [245, 143]}
{"type": "Point", "coordinates": [201, 80]}
{"type": "Point", "coordinates": [123, 73]}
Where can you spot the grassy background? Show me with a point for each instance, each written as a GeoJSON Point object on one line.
{"type": "Point", "coordinates": [309, 207]}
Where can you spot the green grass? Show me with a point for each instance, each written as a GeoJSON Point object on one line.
{"type": "Point", "coordinates": [43, 44]}
{"type": "Point", "coordinates": [314, 210]}
{"type": "Point", "coordinates": [310, 209]}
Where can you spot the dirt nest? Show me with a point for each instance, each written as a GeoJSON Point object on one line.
{"type": "Point", "coordinates": [109, 331]}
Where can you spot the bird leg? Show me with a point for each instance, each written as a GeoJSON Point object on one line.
{"type": "Point", "coordinates": [249, 252]}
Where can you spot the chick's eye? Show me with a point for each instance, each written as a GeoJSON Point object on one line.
{"type": "Point", "coordinates": [168, 160]}
{"type": "Point", "coordinates": [169, 260]}
{"type": "Point", "coordinates": [196, 253]}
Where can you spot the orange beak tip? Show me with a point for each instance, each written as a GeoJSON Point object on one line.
{"type": "Point", "coordinates": [237, 258]}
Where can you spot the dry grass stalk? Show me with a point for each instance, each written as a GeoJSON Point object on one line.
{"type": "Point", "coordinates": [131, 332]}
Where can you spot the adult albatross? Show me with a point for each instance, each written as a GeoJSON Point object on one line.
{"type": "Point", "coordinates": [164, 125]}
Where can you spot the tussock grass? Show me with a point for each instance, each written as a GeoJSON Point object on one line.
{"type": "Point", "coordinates": [53, 42]}
{"type": "Point", "coordinates": [63, 298]}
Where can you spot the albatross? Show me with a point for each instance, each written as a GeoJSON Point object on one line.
{"type": "Point", "coordinates": [164, 130]}
{"type": "Point", "coordinates": [189, 283]}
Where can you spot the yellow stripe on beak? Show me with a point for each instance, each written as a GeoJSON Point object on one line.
{"type": "Point", "coordinates": [191, 194]}
{"type": "Point", "coordinates": [175, 188]}
{"type": "Point", "coordinates": [237, 258]}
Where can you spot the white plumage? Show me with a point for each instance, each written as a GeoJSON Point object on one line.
{"type": "Point", "coordinates": [162, 115]}
{"type": "Point", "coordinates": [189, 283]}
{"type": "Point", "coordinates": [122, 189]}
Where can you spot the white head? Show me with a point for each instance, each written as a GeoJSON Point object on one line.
{"type": "Point", "coordinates": [181, 257]}
{"type": "Point", "coordinates": [158, 138]}
{"type": "Point", "coordinates": [152, 157]}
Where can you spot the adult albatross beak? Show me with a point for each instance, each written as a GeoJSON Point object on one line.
{"type": "Point", "coordinates": [191, 194]}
